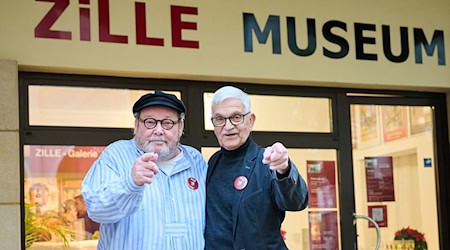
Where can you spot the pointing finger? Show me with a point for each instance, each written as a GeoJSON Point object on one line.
{"type": "Point", "coordinates": [267, 154]}
{"type": "Point", "coordinates": [147, 157]}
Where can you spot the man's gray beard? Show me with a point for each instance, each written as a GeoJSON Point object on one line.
{"type": "Point", "coordinates": [163, 155]}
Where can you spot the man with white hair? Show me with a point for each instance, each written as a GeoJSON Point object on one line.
{"type": "Point", "coordinates": [248, 188]}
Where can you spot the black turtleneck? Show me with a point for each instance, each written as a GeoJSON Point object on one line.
{"type": "Point", "coordinates": [219, 200]}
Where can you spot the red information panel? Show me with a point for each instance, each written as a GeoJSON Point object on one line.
{"type": "Point", "coordinates": [321, 178]}
{"type": "Point", "coordinates": [379, 215]}
{"type": "Point", "coordinates": [379, 179]}
{"type": "Point", "coordinates": [323, 230]}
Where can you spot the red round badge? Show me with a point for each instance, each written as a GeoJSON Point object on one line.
{"type": "Point", "coordinates": [192, 183]}
{"type": "Point", "coordinates": [240, 182]}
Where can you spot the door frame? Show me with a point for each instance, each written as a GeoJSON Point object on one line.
{"type": "Point", "coordinates": [345, 157]}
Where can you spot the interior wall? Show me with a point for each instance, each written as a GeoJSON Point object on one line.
{"type": "Point", "coordinates": [413, 184]}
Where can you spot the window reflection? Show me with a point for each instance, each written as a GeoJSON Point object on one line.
{"type": "Point", "coordinates": [82, 106]}
{"type": "Point", "coordinates": [52, 192]}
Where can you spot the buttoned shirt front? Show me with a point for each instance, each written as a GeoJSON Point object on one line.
{"type": "Point", "coordinates": [167, 214]}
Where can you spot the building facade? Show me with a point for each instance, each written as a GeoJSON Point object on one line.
{"type": "Point", "coordinates": [360, 85]}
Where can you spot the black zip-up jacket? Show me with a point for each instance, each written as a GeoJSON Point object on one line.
{"type": "Point", "coordinates": [259, 209]}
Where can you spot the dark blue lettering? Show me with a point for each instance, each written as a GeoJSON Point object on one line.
{"type": "Point", "coordinates": [360, 40]}
{"type": "Point", "coordinates": [340, 41]}
{"type": "Point", "coordinates": [404, 47]}
{"type": "Point", "coordinates": [436, 42]}
{"type": "Point", "coordinates": [272, 26]}
{"type": "Point", "coordinates": [292, 37]}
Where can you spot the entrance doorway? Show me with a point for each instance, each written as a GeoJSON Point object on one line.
{"type": "Point", "coordinates": [394, 168]}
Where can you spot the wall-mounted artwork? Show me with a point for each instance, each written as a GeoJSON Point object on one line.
{"type": "Point", "coordinates": [394, 122]}
{"type": "Point", "coordinates": [369, 132]}
{"type": "Point", "coordinates": [420, 119]}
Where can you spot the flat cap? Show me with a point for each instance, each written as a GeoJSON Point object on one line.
{"type": "Point", "coordinates": [159, 98]}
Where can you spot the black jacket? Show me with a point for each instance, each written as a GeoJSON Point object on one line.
{"type": "Point", "coordinates": [259, 209]}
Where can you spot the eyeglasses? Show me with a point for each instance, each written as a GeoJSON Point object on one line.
{"type": "Point", "coordinates": [236, 119]}
{"type": "Point", "coordinates": [151, 123]}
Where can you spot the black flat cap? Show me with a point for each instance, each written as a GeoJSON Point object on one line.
{"type": "Point", "coordinates": [159, 98]}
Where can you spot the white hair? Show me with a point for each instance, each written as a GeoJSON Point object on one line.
{"type": "Point", "coordinates": [231, 92]}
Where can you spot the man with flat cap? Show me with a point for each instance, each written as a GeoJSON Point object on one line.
{"type": "Point", "coordinates": [149, 192]}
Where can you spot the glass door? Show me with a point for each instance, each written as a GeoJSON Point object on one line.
{"type": "Point", "coordinates": [394, 168]}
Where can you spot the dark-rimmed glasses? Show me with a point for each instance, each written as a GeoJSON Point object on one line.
{"type": "Point", "coordinates": [151, 123]}
{"type": "Point", "coordinates": [236, 119]}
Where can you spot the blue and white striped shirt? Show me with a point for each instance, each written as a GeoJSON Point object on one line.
{"type": "Point", "coordinates": [167, 214]}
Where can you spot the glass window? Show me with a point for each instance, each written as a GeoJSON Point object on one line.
{"type": "Point", "coordinates": [54, 207]}
{"type": "Point", "coordinates": [82, 106]}
{"type": "Point", "coordinates": [284, 113]}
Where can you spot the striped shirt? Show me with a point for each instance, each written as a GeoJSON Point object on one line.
{"type": "Point", "coordinates": [167, 214]}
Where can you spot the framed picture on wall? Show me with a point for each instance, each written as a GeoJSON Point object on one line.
{"type": "Point", "coordinates": [323, 230]}
{"type": "Point", "coordinates": [394, 122]}
{"type": "Point", "coordinates": [379, 214]}
{"type": "Point", "coordinates": [379, 178]}
{"type": "Point", "coordinates": [420, 119]}
{"type": "Point", "coordinates": [321, 178]}
{"type": "Point", "coordinates": [368, 126]}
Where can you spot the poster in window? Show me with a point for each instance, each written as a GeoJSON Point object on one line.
{"type": "Point", "coordinates": [394, 122]}
{"type": "Point", "coordinates": [42, 193]}
{"type": "Point", "coordinates": [420, 119]}
{"type": "Point", "coordinates": [323, 230]}
{"type": "Point", "coordinates": [379, 179]}
{"type": "Point", "coordinates": [368, 125]}
{"type": "Point", "coordinates": [379, 215]}
{"type": "Point", "coordinates": [53, 174]}
{"type": "Point", "coordinates": [321, 178]}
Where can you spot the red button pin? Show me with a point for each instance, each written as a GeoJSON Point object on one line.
{"type": "Point", "coordinates": [192, 183]}
{"type": "Point", "coordinates": [240, 182]}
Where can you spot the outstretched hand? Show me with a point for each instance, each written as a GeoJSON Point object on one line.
{"type": "Point", "coordinates": [144, 169]}
{"type": "Point", "coordinates": [277, 158]}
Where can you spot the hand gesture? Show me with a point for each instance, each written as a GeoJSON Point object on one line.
{"type": "Point", "coordinates": [277, 157]}
{"type": "Point", "coordinates": [144, 169]}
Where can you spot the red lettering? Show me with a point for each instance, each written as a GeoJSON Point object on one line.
{"type": "Point", "coordinates": [141, 28]}
{"type": "Point", "coordinates": [104, 28]}
{"type": "Point", "coordinates": [178, 25]}
{"type": "Point", "coordinates": [43, 29]}
{"type": "Point", "coordinates": [85, 22]}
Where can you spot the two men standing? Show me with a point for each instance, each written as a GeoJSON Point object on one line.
{"type": "Point", "coordinates": [150, 192]}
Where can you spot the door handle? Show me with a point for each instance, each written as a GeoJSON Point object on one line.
{"type": "Point", "coordinates": [356, 216]}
